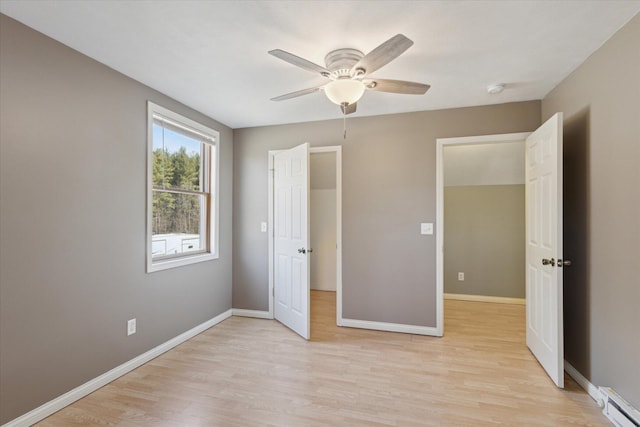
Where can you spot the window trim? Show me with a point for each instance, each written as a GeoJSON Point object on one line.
{"type": "Point", "coordinates": [212, 173]}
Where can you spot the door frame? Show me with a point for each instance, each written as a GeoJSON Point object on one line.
{"type": "Point", "coordinates": [312, 150]}
{"type": "Point", "coordinates": [440, 144]}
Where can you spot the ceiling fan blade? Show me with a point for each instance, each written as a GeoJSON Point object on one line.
{"type": "Point", "coordinates": [383, 54]}
{"type": "Point", "coordinates": [297, 93]}
{"type": "Point", "coordinates": [348, 109]}
{"type": "Point", "coordinates": [299, 62]}
{"type": "Point", "coordinates": [396, 86]}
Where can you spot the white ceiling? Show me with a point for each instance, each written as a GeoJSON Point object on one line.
{"type": "Point", "coordinates": [212, 55]}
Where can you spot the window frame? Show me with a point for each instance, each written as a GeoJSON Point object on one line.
{"type": "Point", "coordinates": [211, 182]}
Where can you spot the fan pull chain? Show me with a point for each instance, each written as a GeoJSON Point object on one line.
{"type": "Point", "coordinates": [343, 108]}
{"type": "Point", "coordinates": [344, 125]}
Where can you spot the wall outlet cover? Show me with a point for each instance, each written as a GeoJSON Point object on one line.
{"type": "Point", "coordinates": [461, 276]}
{"type": "Point", "coordinates": [131, 327]}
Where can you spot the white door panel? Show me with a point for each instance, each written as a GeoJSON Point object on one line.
{"type": "Point", "coordinates": [291, 238]}
{"type": "Point", "coordinates": [544, 242]}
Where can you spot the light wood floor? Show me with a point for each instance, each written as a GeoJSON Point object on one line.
{"type": "Point", "coordinates": [252, 372]}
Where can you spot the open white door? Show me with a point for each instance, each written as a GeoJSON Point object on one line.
{"type": "Point", "coordinates": [544, 247]}
{"type": "Point", "coordinates": [291, 238]}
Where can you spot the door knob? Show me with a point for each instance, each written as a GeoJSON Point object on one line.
{"type": "Point", "coordinates": [302, 251]}
{"type": "Point", "coordinates": [551, 262]}
{"type": "Point", "coordinates": [564, 263]}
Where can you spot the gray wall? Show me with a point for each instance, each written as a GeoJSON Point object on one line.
{"type": "Point", "coordinates": [601, 105]}
{"type": "Point", "coordinates": [322, 175]}
{"type": "Point", "coordinates": [484, 236]}
{"type": "Point", "coordinates": [72, 224]}
{"type": "Point", "coordinates": [388, 190]}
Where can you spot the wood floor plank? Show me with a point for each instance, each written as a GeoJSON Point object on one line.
{"type": "Point", "coordinates": [255, 372]}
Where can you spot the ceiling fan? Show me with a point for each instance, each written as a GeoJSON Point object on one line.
{"type": "Point", "coordinates": [348, 71]}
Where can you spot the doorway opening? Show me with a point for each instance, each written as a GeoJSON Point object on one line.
{"type": "Point", "coordinates": [480, 220]}
{"type": "Point", "coordinates": [323, 235]}
{"type": "Point", "coordinates": [544, 239]}
{"type": "Point", "coordinates": [325, 225]}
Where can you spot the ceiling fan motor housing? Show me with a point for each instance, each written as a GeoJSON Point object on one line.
{"type": "Point", "coordinates": [341, 61]}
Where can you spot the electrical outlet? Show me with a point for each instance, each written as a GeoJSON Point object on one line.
{"type": "Point", "coordinates": [263, 227]}
{"type": "Point", "coordinates": [461, 277]}
{"type": "Point", "coordinates": [131, 327]}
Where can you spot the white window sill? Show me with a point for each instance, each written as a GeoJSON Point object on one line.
{"type": "Point", "coordinates": [165, 264]}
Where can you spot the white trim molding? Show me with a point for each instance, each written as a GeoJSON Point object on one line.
{"type": "Point", "coordinates": [584, 383]}
{"type": "Point", "coordinates": [258, 314]}
{"type": "Point", "coordinates": [485, 298]}
{"type": "Point", "coordinates": [89, 387]}
{"type": "Point", "coordinates": [210, 189]}
{"type": "Point", "coordinates": [390, 327]}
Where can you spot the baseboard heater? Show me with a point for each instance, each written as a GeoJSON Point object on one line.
{"type": "Point", "coordinates": [618, 410]}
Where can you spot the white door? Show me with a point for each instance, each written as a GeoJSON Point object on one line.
{"type": "Point", "coordinates": [544, 247]}
{"type": "Point", "coordinates": [291, 238]}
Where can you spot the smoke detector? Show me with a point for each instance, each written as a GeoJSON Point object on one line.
{"type": "Point", "coordinates": [495, 88]}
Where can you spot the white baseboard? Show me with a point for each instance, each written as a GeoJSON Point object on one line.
{"type": "Point", "coordinates": [390, 327]}
{"type": "Point", "coordinates": [259, 314]}
{"type": "Point", "coordinates": [89, 387]}
{"type": "Point", "coordinates": [483, 298]}
{"type": "Point", "coordinates": [584, 383]}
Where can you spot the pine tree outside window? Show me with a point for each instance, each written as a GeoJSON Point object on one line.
{"type": "Point", "coordinates": [182, 202]}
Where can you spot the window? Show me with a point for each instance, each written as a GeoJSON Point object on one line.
{"type": "Point", "coordinates": [182, 190]}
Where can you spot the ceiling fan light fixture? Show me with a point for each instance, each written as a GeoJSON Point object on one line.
{"type": "Point", "coordinates": [344, 91]}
